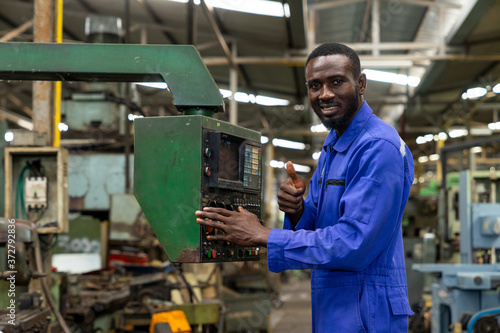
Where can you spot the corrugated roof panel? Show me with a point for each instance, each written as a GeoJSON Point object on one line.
{"type": "Point", "coordinates": [399, 22]}
{"type": "Point", "coordinates": [341, 24]}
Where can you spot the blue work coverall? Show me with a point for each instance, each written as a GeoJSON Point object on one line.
{"type": "Point", "coordinates": [350, 231]}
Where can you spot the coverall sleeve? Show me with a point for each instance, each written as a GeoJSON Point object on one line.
{"type": "Point", "coordinates": [369, 211]}
{"type": "Point", "coordinates": [308, 218]}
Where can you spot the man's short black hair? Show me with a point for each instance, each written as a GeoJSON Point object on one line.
{"type": "Point", "coordinates": [336, 48]}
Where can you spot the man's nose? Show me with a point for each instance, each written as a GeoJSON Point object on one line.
{"type": "Point", "coordinates": [326, 93]}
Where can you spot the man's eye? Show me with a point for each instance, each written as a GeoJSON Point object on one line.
{"type": "Point", "coordinates": [337, 81]}
{"type": "Point", "coordinates": [314, 85]}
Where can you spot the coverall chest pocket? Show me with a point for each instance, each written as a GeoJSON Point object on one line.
{"type": "Point", "coordinates": [333, 191]}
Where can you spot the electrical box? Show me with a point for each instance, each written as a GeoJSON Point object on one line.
{"type": "Point", "coordinates": [36, 186]}
{"type": "Point", "coordinates": [185, 163]}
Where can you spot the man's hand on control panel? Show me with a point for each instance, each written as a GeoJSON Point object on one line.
{"type": "Point", "coordinates": [242, 227]}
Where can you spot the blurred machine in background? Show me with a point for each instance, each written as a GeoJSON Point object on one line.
{"type": "Point", "coordinates": [461, 275]}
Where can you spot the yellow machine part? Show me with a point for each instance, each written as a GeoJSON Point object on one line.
{"type": "Point", "coordinates": [176, 319]}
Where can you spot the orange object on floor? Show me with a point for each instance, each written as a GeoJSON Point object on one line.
{"type": "Point", "coordinates": [176, 319]}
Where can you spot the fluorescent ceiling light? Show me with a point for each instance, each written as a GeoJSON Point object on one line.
{"type": "Point", "coordinates": [316, 155]}
{"type": "Point", "coordinates": [456, 133]}
{"type": "Point", "coordinates": [433, 157]}
{"type": "Point", "coordinates": [270, 101]}
{"type": "Point", "coordinates": [478, 131]}
{"type": "Point", "coordinates": [289, 144]}
{"type": "Point", "coordinates": [62, 127]}
{"type": "Point", "coordinates": [133, 117]}
{"type": "Point", "coordinates": [476, 150]}
{"type": "Point", "coordinates": [441, 136]}
{"type": "Point", "coordinates": [157, 85]}
{"type": "Point", "coordinates": [259, 99]}
{"type": "Point", "coordinates": [473, 93]}
{"type": "Point", "coordinates": [9, 136]}
{"type": "Point", "coordinates": [496, 89]}
{"type": "Point", "coordinates": [389, 77]}
{"type": "Point", "coordinates": [423, 159]}
{"type": "Point", "coordinates": [297, 167]}
{"type": "Point", "coordinates": [260, 7]}
{"type": "Point", "coordinates": [429, 137]}
{"type": "Point", "coordinates": [494, 126]}
{"type": "Point", "coordinates": [264, 139]}
{"type": "Point", "coordinates": [241, 97]}
{"type": "Point", "coordinates": [421, 140]}
{"type": "Point", "coordinates": [318, 128]}
{"type": "Point", "coordinates": [225, 93]}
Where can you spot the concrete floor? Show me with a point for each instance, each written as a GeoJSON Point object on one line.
{"type": "Point", "coordinates": [295, 313]}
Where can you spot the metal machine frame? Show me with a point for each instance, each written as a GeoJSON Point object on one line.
{"type": "Point", "coordinates": [180, 66]}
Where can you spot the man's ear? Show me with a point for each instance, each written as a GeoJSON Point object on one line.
{"type": "Point", "coordinates": [362, 83]}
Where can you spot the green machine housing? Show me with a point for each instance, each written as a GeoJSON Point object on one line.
{"type": "Point", "coordinates": [185, 163]}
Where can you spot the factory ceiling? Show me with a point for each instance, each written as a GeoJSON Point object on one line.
{"type": "Point", "coordinates": [440, 49]}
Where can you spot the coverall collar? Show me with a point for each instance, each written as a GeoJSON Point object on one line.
{"type": "Point", "coordinates": [341, 144]}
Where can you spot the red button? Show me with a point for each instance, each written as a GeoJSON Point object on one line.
{"type": "Point", "coordinates": [214, 254]}
{"type": "Point", "coordinates": [253, 253]}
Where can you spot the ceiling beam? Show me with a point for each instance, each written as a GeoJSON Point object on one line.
{"type": "Point", "coordinates": [157, 20]}
{"type": "Point", "coordinates": [380, 61]}
{"type": "Point", "coordinates": [87, 6]}
{"type": "Point", "coordinates": [17, 31]}
{"type": "Point", "coordinates": [209, 13]}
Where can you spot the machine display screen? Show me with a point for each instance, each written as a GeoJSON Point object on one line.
{"type": "Point", "coordinates": [229, 160]}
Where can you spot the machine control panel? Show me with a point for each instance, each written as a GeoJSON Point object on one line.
{"type": "Point", "coordinates": [232, 177]}
{"type": "Point", "coordinates": [196, 162]}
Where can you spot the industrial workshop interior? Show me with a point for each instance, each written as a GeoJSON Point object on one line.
{"type": "Point", "coordinates": [120, 119]}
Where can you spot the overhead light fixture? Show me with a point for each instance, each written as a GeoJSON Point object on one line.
{"type": "Point", "coordinates": [494, 126]}
{"type": "Point", "coordinates": [319, 128]}
{"type": "Point", "coordinates": [433, 157]}
{"type": "Point", "coordinates": [289, 144]}
{"type": "Point", "coordinates": [133, 117]}
{"type": "Point", "coordinates": [62, 127]}
{"type": "Point", "coordinates": [297, 167]}
{"type": "Point", "coordinates": [250, 98]}
{"type": "Point", "coordinates": [389, 77]}
{"type": "Point", "coordinates": [157, 85]}
{"type": "Point", "coordinates": [264, 139]}
{"type": "Point", "coordinates": [456, 133]}
{"type": "Point", "coordinates": [9, 136]}
{"type": "Point", "coordinates": [316, 155]}
{"type": "Point", "coordinates": [442, 136]}
{"type": "Point", "coordinates": [476, 150]}
{"type": "Point", "coordinates": [496, 89]}
{"type": "Point", "coordinates": [423, 159]}
{"type": "Point", "coordinates": [259, 7]}
{"type": "Point", "coordinates": [473, 93]}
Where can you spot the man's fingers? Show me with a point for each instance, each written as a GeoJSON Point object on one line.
{"type": "Point", "coordinates": [210, 223]}
{"type": "Point", "coordinates": [289, 187]}
{"type": "Point", "coordinates": [294, 199]}
{"type": "Point", "coordinates": [297, 181]}
{"type": "Point", "coordinates": [211, 213]}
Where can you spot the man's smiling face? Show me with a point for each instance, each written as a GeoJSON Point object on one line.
{"type": "Point", "coordinates": [334, 93]}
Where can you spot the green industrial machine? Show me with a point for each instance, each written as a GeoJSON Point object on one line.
{"type": "Point", "coordinates": [180, 66]}
{"type": "Point", "coordinates": [185, 163]}
{"type": "Point", "coordinates": [195, 93]}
